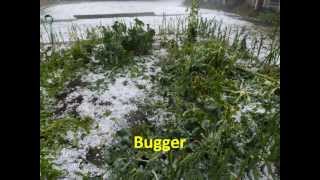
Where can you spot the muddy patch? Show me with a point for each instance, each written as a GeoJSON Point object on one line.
{"type": "Point", "coordinates": [95, 156]}
{"type": "Point", "coordinates": [136, 117]}
{"type": "Point", "coordinates": [69, 106]}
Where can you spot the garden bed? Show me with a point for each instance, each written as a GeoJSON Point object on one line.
{"type": "Point", "coordinates": [99, 92]}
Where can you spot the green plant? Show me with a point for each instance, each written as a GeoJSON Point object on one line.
{"type": "Point", "coordinates": [53, 137]}
{"type": "Point", "coordinates": [121, 43]}
{"type": "Point", "coordinates": [138, 40]}
{"type": "Point", "coordinates": [193, 21]}
{"type": "Point", "coordinates": [47, 171]}
{"type": "Point", "coordinates": [205, 87]}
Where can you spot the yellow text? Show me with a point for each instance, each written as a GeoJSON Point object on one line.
{"type": "Point", "coordinates": [158, 144]}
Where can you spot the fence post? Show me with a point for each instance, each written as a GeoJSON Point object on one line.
{"type": "Point", "coordinates": [49, 20]}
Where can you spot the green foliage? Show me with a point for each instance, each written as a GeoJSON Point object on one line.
{"type": "Point", "coordinates": [138, 40]}
{"type": "Point", "coordinates": [114, 50]}
{"type": "Point", "coordinates": [193, 21]}
{"type": "Point", "coordinates": [52, 138]}
{"type": "Point", "coordinates": [210, 75]}
{"type": "Point", "coordinates": [121, 43]}
{"type": "Point", "coordinates": [61, 68]}
{"type": "Point", "coordinates": [47, 171]}
{"type": "Point", "coordinates": [205, 87]}
{"type": "Point", "coordinates": [53, 132]}
{"type": "Point", "coordinates": [112, 54]}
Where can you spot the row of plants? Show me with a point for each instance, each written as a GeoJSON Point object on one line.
{"type": "Point", "coordinates": [229, 114]}
{"type": "Point", "coordinates": [104, 49]}
{"type": "Point", "coordinates": [261, 46]}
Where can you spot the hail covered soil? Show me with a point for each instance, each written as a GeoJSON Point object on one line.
{"type": "Point", "coordinates": [112, 102]}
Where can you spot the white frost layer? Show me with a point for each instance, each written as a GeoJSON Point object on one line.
{"type": "Point", "coordinates": [92, 77]}
{"type": "Point", "coordinates": [72, 160]}
{"type": "Point", "coordinates": [118, 99]}
{"type": "Point", "coordinates": [252, 107]}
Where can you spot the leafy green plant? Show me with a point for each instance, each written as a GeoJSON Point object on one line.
{"type": "Point", "coordinates": [193, 21]}
{"type": "Point", "coordinates": [53, 137]}
{"type": "Point", "coordinates": [205, 87]}
{"type": "Point", "coordinates": [120, 43]}
{"type": "Point", "coordinates": [47, 171]}
{"type": "Point", "coordinates": [138, 40]}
